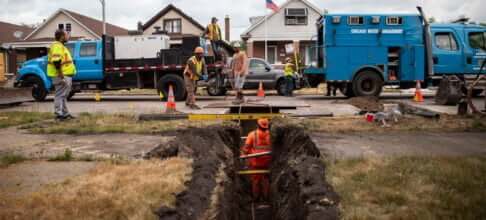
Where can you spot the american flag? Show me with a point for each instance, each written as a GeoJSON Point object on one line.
{"type": "Point", "coordinates": [271, 5]}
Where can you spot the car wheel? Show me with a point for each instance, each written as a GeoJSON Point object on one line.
{"type": "Point", "coordinates": [39, 91]}
{"type": "Point", "coordinates": [177, 83]}
{"type": "Point", "coordinates": [367, 83]}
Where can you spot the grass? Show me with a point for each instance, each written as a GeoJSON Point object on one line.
{"type": "Point", "coordinates": [446, 123]}
{"type": "Point", "coordinates": [8, 119]}
{"type": "Point", "coordinates": [118, 123]}
{"type": "Point", "coordinates": [9, 159]}
{"type": "Point", "coordinates": [110, 191]}
{"type": "Point", "coordinates": [66, 156]}
{"type": "Point", "coordinates": [411, 187]}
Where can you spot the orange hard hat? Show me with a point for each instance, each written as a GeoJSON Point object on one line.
{"type": "Point", "coordinates": [199, 50]}
{"type": "Point", "coordinates": [263, 123]}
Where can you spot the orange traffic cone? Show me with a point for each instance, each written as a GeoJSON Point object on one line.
{"type": "Point", "coordinates": [261, 92]}
{"type": "Point", "coordinates": [418, 93]}
{"type": "Point", "coordinates": [170, 106]}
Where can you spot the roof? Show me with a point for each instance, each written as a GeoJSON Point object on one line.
{"type": "Point", "coordinates": [165, 11]}
{"type": "Point", "coordinates": [7, 31]}
{"type": "Point", "coordinates": [284, 5]}
{"type": "Point", "coordinates": [92, 25]}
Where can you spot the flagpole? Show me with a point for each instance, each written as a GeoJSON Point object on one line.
{"type": "Point", "coordinates": [266, 35]}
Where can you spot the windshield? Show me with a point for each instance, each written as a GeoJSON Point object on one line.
{"type": "Point", "coordinates": [477, 40]}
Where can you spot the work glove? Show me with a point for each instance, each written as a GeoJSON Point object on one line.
{"type": "Point", "coordinates": [205, 77]}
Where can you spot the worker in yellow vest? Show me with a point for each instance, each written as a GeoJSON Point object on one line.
{"type": "Point", "coordinates": [195, 70]}
{"type": "Point", "coordinates": [61, 69]}
{"type": "Point", "coordinates": [213, 31]}
{"type": "Point", "coordinates": [289, 76]}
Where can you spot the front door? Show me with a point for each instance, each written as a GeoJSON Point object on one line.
{"type": "Point", "coordinates": [272, 54]}
{"type": "Point", "coordinates": [476, 55]}
{"type": "Point", "coordinates": [88, 62]}
{"type": "Point", "coordinates": [447, 55]}
{"type": "Point", "coordinates": [2, 67]}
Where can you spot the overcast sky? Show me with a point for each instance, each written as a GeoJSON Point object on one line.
{"type": "Point", "coordinates": [126, 13]}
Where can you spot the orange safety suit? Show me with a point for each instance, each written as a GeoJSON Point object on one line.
{"type": "Point", "coordinates": [258, 141]}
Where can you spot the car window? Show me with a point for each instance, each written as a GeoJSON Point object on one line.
{"type": "Point", "coordinates": [446, 41]}
{"type": "Point", "coordinates": [70, 47]}
{"type": "Point", "coordinates": [257, 65]}
{"type": "Point", "coordinates": [477, 40]}
{"type": "Point", "coordinates": [87, 50]}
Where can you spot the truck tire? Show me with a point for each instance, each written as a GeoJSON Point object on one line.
{"type": "Point", "coordinates": [449, 92]}
{"type": "Point", "coordinates": [367, 83]}
{"type": "Point", "coordinates": [39, 91]}
{"type": "Point", "coordinates": [347, 90]}
{"type": "Point", "coordinates": [216, 89]}
{"type": "Point", "coordinates": [177, 83]}
{"type": "Point", "coordinates": [71, 94]}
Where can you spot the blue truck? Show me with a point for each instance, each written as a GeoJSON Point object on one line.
{"type": "Point", "coordinates": [360, 53]}
{"type": "Point", "coordinates": [99, 67]}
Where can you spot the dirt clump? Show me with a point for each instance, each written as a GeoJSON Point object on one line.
{"type": "Point", "coordinates": [298, 186]}
{"type": "Point", "coordinates": [367, 103]}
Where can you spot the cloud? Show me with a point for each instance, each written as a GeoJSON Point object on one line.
{"type": "Point", "coordinates": [127, 13]}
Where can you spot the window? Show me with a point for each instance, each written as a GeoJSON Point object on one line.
{"type": "Point", "coordinates": [296, 16]}
{"type": "Point", "coordinates": [173, 26]}
{"type": "Point", "coordinates": [355, 20]}
{"type": "Point", "coordinates": [87, 50]}
{"type": "Point", "coordinates": [258, 65]}
{"type": "Point", "coordinates": [70, 47]}
{"type": "Point", "coordinates": [60, 26]}
{"type": "Point", "coordinates": [477, 40]}
{"type": "Point", "coordinates": [446, 41]}
{"type": "Point", "coordinates": [394, 20]}
{"type": "Point", "coordinates": [68, 27]}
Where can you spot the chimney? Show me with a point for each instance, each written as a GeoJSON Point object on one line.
{"type": "Point", "coordinates": [227, 28]}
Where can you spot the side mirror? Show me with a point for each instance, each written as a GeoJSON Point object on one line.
{"type": "Point", "coordinates": [268, 69]}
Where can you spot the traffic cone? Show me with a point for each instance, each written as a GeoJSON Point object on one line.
{"type": "Point", "coordinates": [170, 106]}
{"type": "Point", "coordinates": [418, 93]}
{"type": "Point", "coordinates": [97, 96]}
{"type": "Point", "coordinates": [261, 92]}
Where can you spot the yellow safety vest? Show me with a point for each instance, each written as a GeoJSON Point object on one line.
{"type": "Point", "coordinates": [213, 31]}
{"type": "Point", "coordinates": [199, 68]}
{"type": "Point", "coordinates": [289, 69]}
{"type": "Point", "coordinates": [58, 52]}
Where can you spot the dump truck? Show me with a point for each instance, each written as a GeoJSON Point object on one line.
{"type": "Point", "coordinates": [127, 62]}
{"type": "Point", "coordinates": [360, 53]}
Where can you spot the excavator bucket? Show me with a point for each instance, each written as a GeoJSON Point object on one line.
{"type": "Point", "coordinates": [15, 96]}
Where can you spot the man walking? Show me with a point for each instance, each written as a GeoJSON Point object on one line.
{"type": "Point", "coordinates": [240, 70]}
{"type": "Point", "coordinates": [61, 69]}
{"type": "Point", "coordinates": [289, 76]}
{"type": "Point", "coordinates": [195, 70]}
{"type": "Point", "coordinates": [259, 141]}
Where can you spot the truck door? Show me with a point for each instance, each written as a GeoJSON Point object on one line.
{"type": "Point", "coordinates": [259, 71]}
{"type": "Point", "coordinates": [447, 54]}
{"type": "Point", "coordinates": [88, 62]}
{"type": "Point", "coordinates": [476, 41]}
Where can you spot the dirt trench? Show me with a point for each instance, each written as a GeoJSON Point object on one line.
{"type": "Point", "coordinates": [215, 191]}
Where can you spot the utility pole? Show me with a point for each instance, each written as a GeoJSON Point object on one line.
{"type": "Point", "coordinates": [104, 15]}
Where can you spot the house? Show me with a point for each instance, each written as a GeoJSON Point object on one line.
{"type": "Point", "coordinates": [174, 22]}
{"type": "Point", "coordinates": [10, 33]}
{"type": "Point", "coordinates": [36, 42]}
{"type": "Point", "coordinates": [292, 26]}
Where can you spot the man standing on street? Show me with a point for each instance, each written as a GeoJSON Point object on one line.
{"type": "Point", "coordinates": [195, 70]}
{"type": "Point", "coordinates": [61, 69]}
{"type": "Point", "coordinates": [240, 70]}
{"type": "Point", "coordinates": [289, 76]}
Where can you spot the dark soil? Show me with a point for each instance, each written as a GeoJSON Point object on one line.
{"type": "Point", "coordinates": [367, 104]}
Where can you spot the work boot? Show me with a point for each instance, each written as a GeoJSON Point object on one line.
{"type": "Point", "coordinates": [195, 107]}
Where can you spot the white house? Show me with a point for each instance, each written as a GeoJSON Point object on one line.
{"type": "Point", "coordinates": [294, 23]}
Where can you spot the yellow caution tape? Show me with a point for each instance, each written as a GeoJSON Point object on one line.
{"type": "Point", "coordinates": [250, 172]}
{"type": "Point", "coordinates": [230, 117]}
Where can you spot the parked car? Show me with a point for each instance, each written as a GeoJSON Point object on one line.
{"type": "Point", "coordinates": [258, 71]}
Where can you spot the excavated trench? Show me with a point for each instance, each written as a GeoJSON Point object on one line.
{"type": "Point", "coordinates": [297, 174]}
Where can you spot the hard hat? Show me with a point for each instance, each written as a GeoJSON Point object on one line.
{"type": "Point", "coordinates": [237, 45]}
{"type": "Point", "coordinates": [263, 123]}
{"type": "Point", "coordinates": [199, 50]}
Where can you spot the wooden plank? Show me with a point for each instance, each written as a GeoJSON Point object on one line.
{"type": "Point", "coordinates": [231, 117]}
{"type": "Point", "coordinates": [2, 67]}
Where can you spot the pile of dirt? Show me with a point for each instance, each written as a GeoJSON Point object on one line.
{"type": "Point", "coordinates": [298, 186]}
{"type": "Point", "coordinates": [210, 192]}
{"type": "Point", "coordinates": [367, 103]}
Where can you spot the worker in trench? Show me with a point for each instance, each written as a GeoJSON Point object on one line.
{"type": "Point", "coordinates": [240, 71]}
{"type": "Point", "coordinates": [61, 69]}
{"type": "Point", "coordinates": [195, 70]}
{"type": "Point", "coordinates": [259, 141]}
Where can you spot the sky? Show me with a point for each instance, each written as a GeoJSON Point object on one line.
{"type": "Point", "coordinates": [126, 13]}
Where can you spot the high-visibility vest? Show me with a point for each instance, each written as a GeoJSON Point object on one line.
{"type": "Point", "coordinates": [199, 68]}
{"type": "Point", "coordinates": [58, 52]}
{"type": "Point", "coordinates": [260, 145]}
{"type": "Point", "coordinates": [289, 69]}
{"type": "Point", "coordinates": [214, 31]}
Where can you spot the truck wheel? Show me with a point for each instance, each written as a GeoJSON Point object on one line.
{"type": "Point", "coordinates": [449, 92]}
{"type": "Point", "coordinates": [347, 90]}
{"type": "Point", "coordinates": [215, 89]}
{"type": "Point", "coordinates": [367, 83]}
{"type": "Point", "coordinates": [177, 83]}
{"type": "Point", "coordinates": [281, 87]}
{"type": "Point", "coordinates": [39, 91]}
{"type": "Point", "coordinates": [71, 94]}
